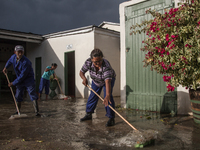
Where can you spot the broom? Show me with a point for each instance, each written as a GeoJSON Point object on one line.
{"type": "Point", "coordinates": [139, 144]}
{"type": "Point", "coordinates": [17, 115]}
{"type": "Point", "coordinates": [61, 96]}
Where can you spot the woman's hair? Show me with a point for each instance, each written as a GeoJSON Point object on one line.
{"type": "Point", "coordinates": [96, 53]}
{"type": "Point", "coordinates": [54, 64]}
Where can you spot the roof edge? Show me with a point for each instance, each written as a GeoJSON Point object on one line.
{"type": "Point", "coordinates": [106, 22]}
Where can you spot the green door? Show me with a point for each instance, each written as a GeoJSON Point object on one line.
{"type": "Point", "coordinates": [37, 72]}
{"type": "Point", "coordinates": [145, 89]}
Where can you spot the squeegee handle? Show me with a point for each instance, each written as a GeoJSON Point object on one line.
{"type": "Point", "coordinates": [113, 109]}
{"type": "Point", "coordinates": [13, 94]}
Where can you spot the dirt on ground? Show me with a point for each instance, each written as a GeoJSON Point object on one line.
{"type": "Point", "coordinates": [59, 127]}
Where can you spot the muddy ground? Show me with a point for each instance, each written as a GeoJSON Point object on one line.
{"type": "Point", "coordinates": [60, 128]}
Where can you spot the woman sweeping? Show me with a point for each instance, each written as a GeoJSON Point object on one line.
{"type": "Point", "coordinates": [44, 82]}
{"type": "Point", "coordinates": [103, 76]}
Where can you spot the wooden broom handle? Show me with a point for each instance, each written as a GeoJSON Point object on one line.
{"type": "Point", "coordinates": [59, 84]}
{"type": "Point", "coordinates": [13, 95]}
{"type": "Point", "coordinates": [60, 87]}
{"type": "Point", "coordinates": [113, 109]}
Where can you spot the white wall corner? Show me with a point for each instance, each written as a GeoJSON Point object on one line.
{"type": "Point", "coordinates": [183, 101]}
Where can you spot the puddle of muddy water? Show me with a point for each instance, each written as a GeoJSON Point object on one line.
{"type": "Point", "coordinates": [60, 128]}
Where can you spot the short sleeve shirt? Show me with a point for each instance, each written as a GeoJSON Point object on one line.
{"type": "Point", "coordinates": [46, 75]}
{"type": "Point", "coordinates": [104, 73]}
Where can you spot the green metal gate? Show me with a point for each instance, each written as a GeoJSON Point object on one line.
{"type": "Point", "coordinates": [145, 89]}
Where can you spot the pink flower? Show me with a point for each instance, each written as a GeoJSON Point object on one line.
{"type": "Point", "coordinates": [169, 25]}
{"type": "Point", "coordinates": [167, 38]}
{"type": "Point", "coordinates": [166, 78]}
{"type": "Point", "coordinates": [170, 88]}
{"type": "Point", "coordinates": [173, 36]}
{"type": "Point", "coordinates": [158, 37]}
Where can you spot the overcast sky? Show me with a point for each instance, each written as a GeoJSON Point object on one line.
{"type": "Point", "coordinates": [49, 16]}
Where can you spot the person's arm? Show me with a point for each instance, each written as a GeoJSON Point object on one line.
{"type": "Point", "coordinates": [108, 92]}
{"type": "Point", "coordinates": [26, 69]}
{"type": "Point", "coordinates": [47, 69]}
{"type": "Point", "coordinates": [82, 75]}
{"type": "Point", "coordinates": [54, 76]}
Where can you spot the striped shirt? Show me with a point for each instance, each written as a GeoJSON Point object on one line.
{"type": "Point", "coordinates": [104, 73]}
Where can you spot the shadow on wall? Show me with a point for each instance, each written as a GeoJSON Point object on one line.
{"type": "Point", "coordinates": [176, 103]}
{"type": "Point", "coordinates": [51, 57]}
{"type": "Point", "coordinates": [169, 103]}
{"type": "Point", "coordinates": [128, 91]}
{"type": "Point", "coordinates": [48, 56]}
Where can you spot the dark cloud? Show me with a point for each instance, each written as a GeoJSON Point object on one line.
{"type": "Point", "coordinates": [48, 16]}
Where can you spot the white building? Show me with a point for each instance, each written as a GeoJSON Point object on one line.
{"type": "Point", "coordinates": [70, 49]}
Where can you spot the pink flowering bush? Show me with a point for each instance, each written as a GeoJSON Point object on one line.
{"type": "Point", "coordinates": [172, 45]}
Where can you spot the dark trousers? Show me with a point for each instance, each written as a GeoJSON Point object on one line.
{"type": "Point", "coordinates": [30, 89]}
{"type": "Point", "coordinates": [93, 99]}
{"type": "Point", "coordinates": [44, 83]}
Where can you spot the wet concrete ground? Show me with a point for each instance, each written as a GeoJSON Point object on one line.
{"type": "Point", "coordinates": [60, 128]}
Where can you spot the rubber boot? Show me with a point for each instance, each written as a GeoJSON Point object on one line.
{"type": "Point", "coordinates": [19, 107]}
{"type": "Point", "coordinates": [88, 116]}
{"type": "Point", "coordinates": [111, 122]}
{"type": "Point", "coordinates": [35, 105]}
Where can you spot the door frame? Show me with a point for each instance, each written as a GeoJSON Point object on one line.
{"type": "Point", "coordinates": [66, 73]}
{"type": "Point", "coordinates": [38, 77]}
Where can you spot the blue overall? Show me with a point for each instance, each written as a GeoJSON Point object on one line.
{"type": "Point", "coordinates": [93, 99]}
{"type": "Point", "coordinates": [25, 77]}
{"type": "Point", "coordinates": [44, 83]}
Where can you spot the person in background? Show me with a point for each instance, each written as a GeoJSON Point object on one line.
{"type": "Point", "coordinates": [44, 82]}
{"type": "Point", "coordinates": [103, 76]}
{"type": "Point", "coordinates": [25, 77]}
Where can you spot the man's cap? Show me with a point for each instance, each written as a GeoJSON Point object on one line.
{"type": "Point", "coordinates": [19, 48]}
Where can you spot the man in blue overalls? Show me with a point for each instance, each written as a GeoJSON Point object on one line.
{"type": "Point", "coordinates": [25, 77]}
